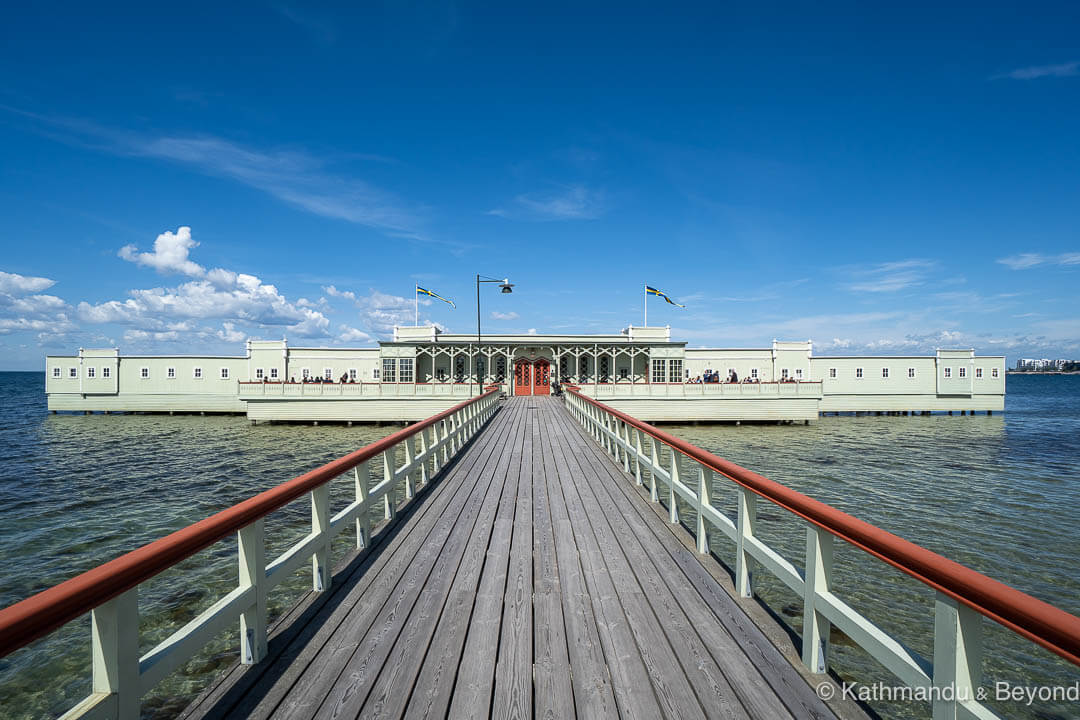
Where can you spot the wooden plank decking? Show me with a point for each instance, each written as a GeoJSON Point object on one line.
{"type": "Point", "coordinates": [531, 580]}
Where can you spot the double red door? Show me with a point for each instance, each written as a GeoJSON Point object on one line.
{"type": "Point", "coordinates": [532, 378]}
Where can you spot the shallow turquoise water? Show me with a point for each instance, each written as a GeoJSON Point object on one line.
{"type": "Point", "coordinates": [999, 494]}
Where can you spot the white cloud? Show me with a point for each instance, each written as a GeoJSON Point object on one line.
{"type": "Point", "coordinates": [229, 333]}
{"type": "Point", "coordinates": [15, 284]}
{"type": "Point", "coordinates": [170, 254]}
{"type": "Point", "coordinates": [334, 292]}
{"type": "Point", "coordinates": [575, 202]}
{"type": "Point", "coordinates": [1069, 69]}
{"type": "Point", "coordinates": [532, 331]}
{"type": "Point", "coordinates": [891, 276]}
{"type": "Point", "coordinates": [382, 312]}
{"type": "Point", "coordinates": [38, 313]}
{"type": "Point", "coordinates": [496, 315]}
{"type": "Point", "coordinates": [1024, 261]}
{"type": "Point", "coordinates": [351, 334]}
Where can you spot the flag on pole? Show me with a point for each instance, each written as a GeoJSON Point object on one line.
{"type": "Point", "coordinates": [654, 291]}
{"type": "Point", "coordinates": [422, 291]}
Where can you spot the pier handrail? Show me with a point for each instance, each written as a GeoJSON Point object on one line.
{"type": "Point", "coordinates": [36, 616]}
{"type": "Point", "coordinates": [1044, 624]}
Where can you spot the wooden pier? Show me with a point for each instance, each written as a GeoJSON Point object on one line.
{"type": "Point", "coordinates": [531, 580]}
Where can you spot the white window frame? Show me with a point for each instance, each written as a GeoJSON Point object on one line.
{"type": "Point", "coordinates": [832, 373]}
{"type": "Point", "coordinates": [224, 373]}
{"type": "Point", "coordinates": [106, 372]}
{"type": "Point", "coordinates": [858, 373]}
{"type": "Point", "coordinates": [658, 370]}
{"type": "Point", "coordinates": [56, 372]}
{"type": "Point", "coordinates": [963, 372]}
{"type": "Point", "coordinates": [91, 372]}
{"type": "Point", "coordinates": [885, 373]}
{"type": "Point", "coordinates": [73, 373]}
{"type": "Point", "coordinates": [374, 373]}
{"type": "Point", "coordinates": [993, 372]}
{"type": "Point", "coordinates": [196, 373]}
{"type": "Point", "coordinates": [978, 373]}
{"type": "Point", "coordinates": [754, 373]}
{"type": "Point", "coordinates": [259, 373]}
{"type": "Point", "coordinates": [273, 374]}
{"type": "Point", "coordinates": [948, 373]}
{"type": "Point", "coordinates": [798, 374]}
{"type": "Point", "coordinates": [144, 373]}
{"type": "Point", "coordinates": [675, 370]}
{"type": "Point", "coordinates": [784, 373]}
{"type": "Point", "coordinates": [911, 372]}
{"type": "Point", "coordinates": [405, 370]}
{"type": "Point", "coordinates": [352, 374]}
{"type": "Point", "coordinates": [170, 373]}
{"type": "Point", "coordinates": [328, 373]}
{"type": "Point", "coordinates": [305, 373]}
{"type": "Point", "coordinates": [389, 370]}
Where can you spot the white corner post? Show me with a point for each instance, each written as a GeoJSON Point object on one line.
{"type": "Point", "coordinates": [745, 522]}
{"type": "Point", "coordinates": [252, 554]}
{"type": "Point", "coordinates": [362, 485]}
{"type": "Point", "coordinates": [818, 576]}
{"type": "Point", "coordinates": [704, 495]}
{"type": "Point", "coordinates": [957, 656]}
{"type": "Point", "coordinates": [320, 528]}
{"type": "Point", "coordinates": [114, 651]}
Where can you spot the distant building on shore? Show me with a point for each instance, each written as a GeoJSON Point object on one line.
{"type": "Point", "coordinates": [1043, 365]}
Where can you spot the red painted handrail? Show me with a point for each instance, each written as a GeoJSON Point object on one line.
{"type": "Point", "coordinates": [1038, 621]}
{"type": "Point", "coordinates": [30, 619]}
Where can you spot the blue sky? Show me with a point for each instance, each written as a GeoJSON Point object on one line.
{"type": "Point", "coordinates": [879, 180]}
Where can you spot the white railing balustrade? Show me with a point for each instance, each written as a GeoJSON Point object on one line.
{"type": "Point", "coordinates": [121, 677]}
{"type": "Point", "coordinates": [956, 665]}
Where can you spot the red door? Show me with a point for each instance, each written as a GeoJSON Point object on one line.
{"type": "Point", "coordinates": [541, 378]}
{"type": "Point", "coordinates": [522, 378]}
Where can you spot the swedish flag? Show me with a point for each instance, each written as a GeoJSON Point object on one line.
{"type": "Point", "coordinates": [654, 291]}
{"type": "Point", "coordinates": [422, 291]}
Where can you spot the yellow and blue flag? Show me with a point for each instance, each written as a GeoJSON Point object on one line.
{"type": "Point", "coordinates": [422, 291]}
{"type": "Point", "coordinates": [654, 291]}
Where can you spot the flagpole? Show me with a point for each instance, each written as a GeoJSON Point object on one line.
{"type": "Point", "coordinates": [646, 303]}
{"type": "Point", "coordinates": [416, 306]}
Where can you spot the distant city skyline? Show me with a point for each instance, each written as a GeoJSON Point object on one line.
{"type": "Point", "coordinates": [178, 179]}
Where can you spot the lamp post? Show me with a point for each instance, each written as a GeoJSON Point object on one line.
{"type": "Point", "coordinates": [507, 287]}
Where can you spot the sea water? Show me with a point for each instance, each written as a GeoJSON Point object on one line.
{"type": "Point", "coordinates": [999, 494]}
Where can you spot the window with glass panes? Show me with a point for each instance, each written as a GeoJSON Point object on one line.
{"type": "Point", "coordinates": [389, 370]}
{"type": "Point", "coordinates": [405, 370]}
{"type": "Point", "coordinates": [659, 370]}
{"type": "Point", "coordinates": [675, 371]}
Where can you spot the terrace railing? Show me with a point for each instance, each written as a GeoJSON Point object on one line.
{"type": "Point", "coordinates": [963, 596]}
{"type": "Point", "coordinates": [110, 591]}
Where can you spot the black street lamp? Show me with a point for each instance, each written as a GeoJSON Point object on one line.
{"type": "Point", "coordinates": [507, 287]}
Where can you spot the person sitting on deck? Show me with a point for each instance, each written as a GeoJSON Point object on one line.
{"type": "Point", "coordinates": [344, 378]}
{"type": "Point", "coordinates": [734, 376]}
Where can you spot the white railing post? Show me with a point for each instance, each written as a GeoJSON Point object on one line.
{"type": "Point", "coordinates": [654, 446]}
{"type": "Point", "coordinates": [817, 579]}
{"type": "Point", "coordinates": [637, 456]}
{"type": "Point", "coordinates": [410, 457]}
{"type": "Point", "coordinates": [673, 477]}
{"type": "Point", "coordinates": [362, 484]}
{"type": "Point", "coordinates": [704, 496]}
{"type": "Point", "coordinates": [745, 521]}
{"type": "Point", "coordinates": [624, 438]}
{"type": "Point", "coordinates": [957, 655]}
{"type": "Point", "coordinates": [320, 526]}
{"type": "Point", "coordinates": [445, 440]}
{"type": "Point", "coordinates": [389, 505]}
{"type": "Point", "coordinates": [252, 556]}
{"type": "Point", "coordinates": [114, 648]}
